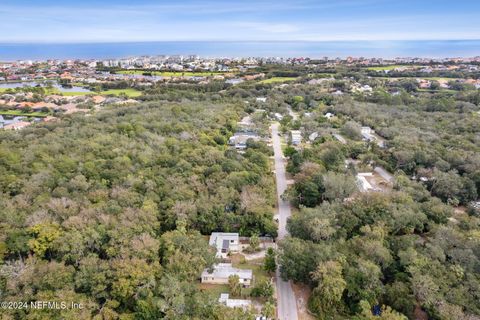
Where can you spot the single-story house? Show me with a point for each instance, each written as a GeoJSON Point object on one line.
{"type": "Point", "coordinates": [363, 184]}
{"type": "Point", "coordinates": [17, 125]}
{"type": "Point", "coordinates": [234, 303]}
{"type": "Point", "coordinates": [329, 115]}
{"type": "Point", "coordinates": [313, 136]}
{"type": "Point", "coordinates": [224, 242]}
{"type": "Point", "coordinates": [239, 140]}
{"type": "Point", "coordinates": [222, 271]}
{"type": "Point", "coordinates": [296, 137]}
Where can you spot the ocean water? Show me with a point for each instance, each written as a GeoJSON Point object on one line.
{"type": "Point", "coordinates": [331, 49]}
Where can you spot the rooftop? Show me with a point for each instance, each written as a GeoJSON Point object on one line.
{"type": "Point", "coordinates": [225, 270]}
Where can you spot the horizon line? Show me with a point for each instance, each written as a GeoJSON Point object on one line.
{"type": "Point", "coordinates": [231, 41]}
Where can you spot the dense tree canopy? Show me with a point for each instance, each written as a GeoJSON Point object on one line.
{"type": "Point", "coordinates": [108, 209]}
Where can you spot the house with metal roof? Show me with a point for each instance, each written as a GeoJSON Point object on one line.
{"type": "Point", "coordinates": [234, 303]}
{"type": "Point", "coordinates": [222, 271]}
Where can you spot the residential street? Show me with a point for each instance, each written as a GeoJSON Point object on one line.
{"type": "Point", "coordinates": [287, 304]}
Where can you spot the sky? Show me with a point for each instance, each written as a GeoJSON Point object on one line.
{"type": "Point", "coordinates": [54, 21]}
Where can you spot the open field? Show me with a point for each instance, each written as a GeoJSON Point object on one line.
{"type": "Point", "coordinates": [132, 93]}
{"type": "Point", "coordinates": [278, 79]}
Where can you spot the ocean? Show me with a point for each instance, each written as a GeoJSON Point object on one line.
{"type": "Point", "coordinates": [331, 49]}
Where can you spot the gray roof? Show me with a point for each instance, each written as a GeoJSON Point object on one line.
{"type": "Point", "coordinates": [217, 238]}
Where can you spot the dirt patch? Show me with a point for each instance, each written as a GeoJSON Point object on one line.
{"type": "Point", "coordinates": [419, 314]}
{"type": "Point", "coordinates": [302, 293]}
{"type": "Point", "coordinates": [237, 258]}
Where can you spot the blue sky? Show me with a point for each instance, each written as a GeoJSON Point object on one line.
{"type": "Point", "coordinates": [152, 20]}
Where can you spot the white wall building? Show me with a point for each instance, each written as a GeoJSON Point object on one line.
{"type": "Point", "coordinates": [222, 271]}
{"type": "Point", "coordinates": [234, 303]}
{"type": "Point", "coordinates": [296, 137]}
{"type": "Point", "coordinates": [224, 243]}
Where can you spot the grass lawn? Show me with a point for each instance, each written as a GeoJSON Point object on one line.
{"type": "Point", "coordinates": [320, 75]}
{"type": "Point", "coordinates": [259, 273]}
{"type": "Point", "coordinates": [23, 114]}
{"type": "Point", "coordinates": [131, 93]}
{"type": "Point", "coordinates": [214, 289]}
{"type": "Point", "coordinates": [278, 79]}
{"type": "Point", "coordinates": [172, 73]}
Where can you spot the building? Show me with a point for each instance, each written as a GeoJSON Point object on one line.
{"type": "Point", "coordinates": [339, 138]}
{"type": "Point", "coordinates": [234, 81]}
{"type": "Point", "coordinates": [329, 115]}
{"type": "Point", "coordinates": [239, 140]}
{"type": "Point", "coordinates": [222, 271]}
{"type": "Point", "coordinates": [17, 125]}
{"type": "Point", "coordinates": [224, 243]}
{"type": "Point", "coordinates": [313, 136]}
{"type": "Point", "coordinates": [234, 303]}
{"type": "Point", "coordinates": [296, 137]}
{"type": "Point", "coordinates": [368, 134]}
{"type": "Point", "coordinates": [363, 184]}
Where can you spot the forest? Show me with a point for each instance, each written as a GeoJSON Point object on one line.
{"type": "Point", "coordinates": [110, 210]}
{"type": "Point", "coordinates": [113, 208]}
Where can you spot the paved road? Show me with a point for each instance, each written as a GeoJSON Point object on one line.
{"type": "Point", "coordinates": [287, 304]}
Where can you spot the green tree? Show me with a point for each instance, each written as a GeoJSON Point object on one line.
{"type": "Point", "coordinates": [330, 286]}
{"type": "Point", "coordinates": [338, 186]}
{"type": "Point", "coordinates": [270, 264]}
{"type": "Point", "coordinates": [352, 130]}
{"type": "Point", "coordinates": [268, 310]}
{"type": "Point", "coordinates": [254, 243]}
{"type": "Point", "coordinates": [235, 285]}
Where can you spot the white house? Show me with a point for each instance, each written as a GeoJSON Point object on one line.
{"type": "Point", "coordinates": [239, 141]}
{"type": "Point", "coordinates": [234, 303]}
{"type": "Point", "coordinates": [296, 137]}
{"type": "Point", "coordinates": [224, 243]}
{"type": "Point", "coordinates": [222, 271]}
{"type": "Point", "coordinates": [17, 125]}
{"type": "Point", "coordinates": [329, 115]}
{"type": "Point", "coordinates": [369, 135]}
{"type": "Point", "coordinates": [313, 136]}
{"type": "Point", "coordinates": [339, 138]}
{"type": "Point", "coordinates": [363, 184]}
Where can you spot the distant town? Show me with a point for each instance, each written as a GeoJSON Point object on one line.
{"type": "Point", "coordinates": [32, 91]}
